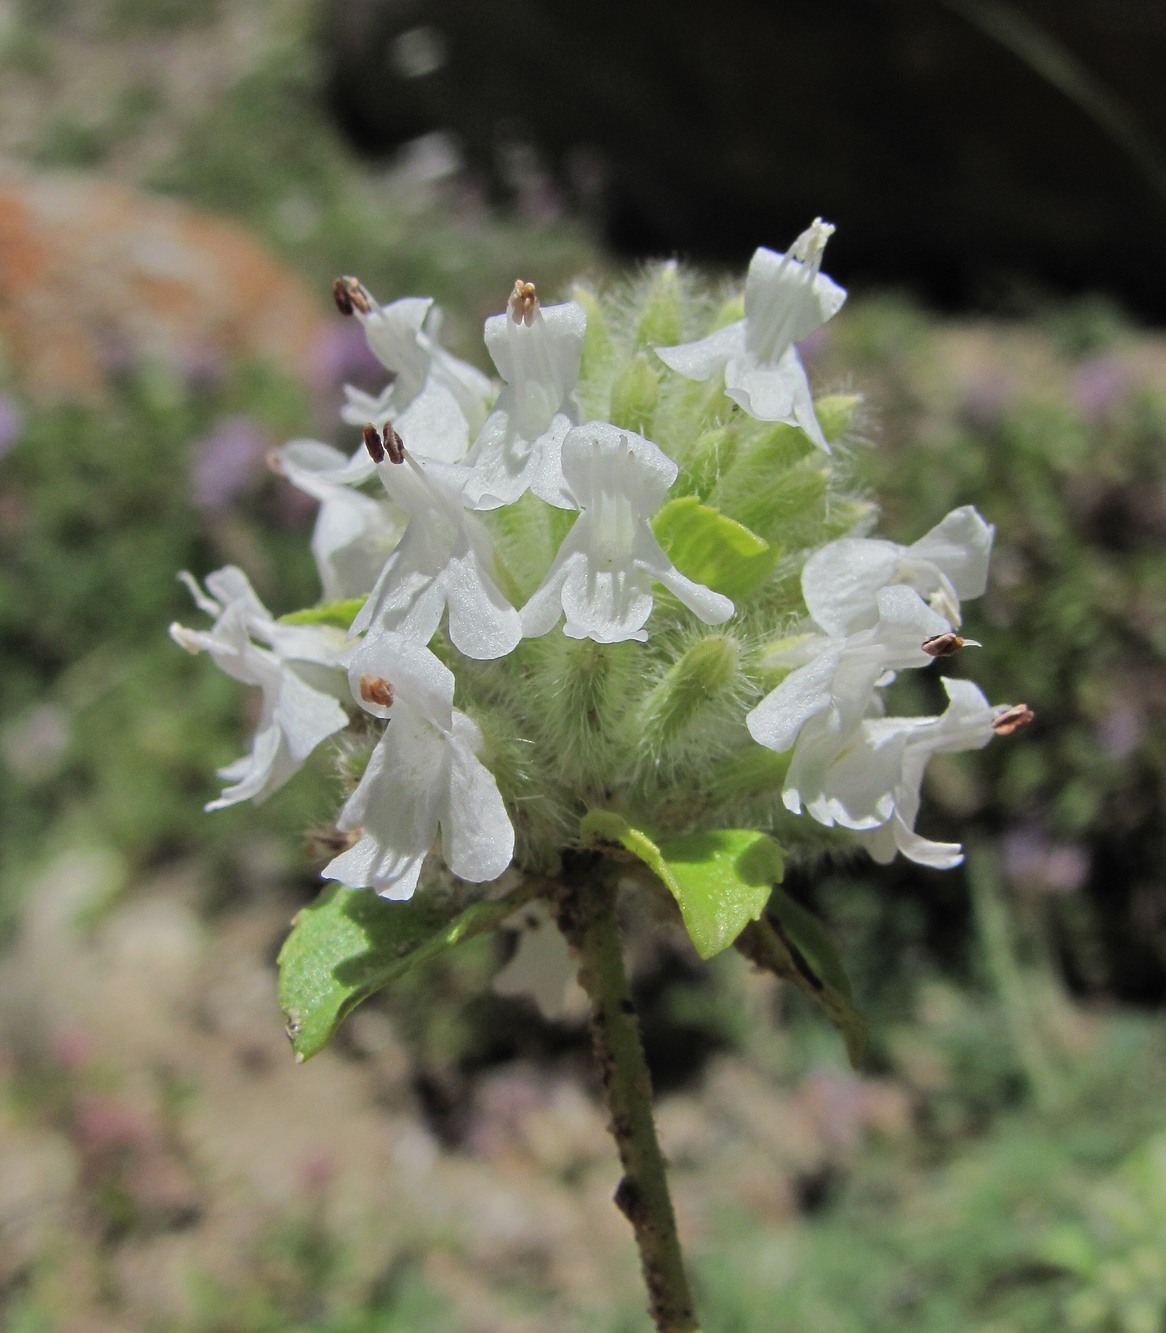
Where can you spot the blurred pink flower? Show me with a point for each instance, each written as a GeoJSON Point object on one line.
{"type": "Point", "coordinates": [11, 423]}
{"type": "Point", "coordinates": [1098, 386]}
{"type": "Point", "coordinates": [226, 462]}
{"type": "Point", "coordinates": [1034, 861]}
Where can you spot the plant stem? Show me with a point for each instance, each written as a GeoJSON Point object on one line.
{"type": "Point", "coordinates": [584, 906]}
{"type": "Point", "coordinates": [995, 929]}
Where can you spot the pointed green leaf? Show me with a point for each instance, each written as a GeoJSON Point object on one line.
{"type": "Point", "coordinates": [635, 395]}
{"type": "Point", "coordinates": [597, 348]}
{"type": "Point", "coordinates": [835, 412]}
{"type": "Point", "coordinates": [713, 549]}
{"type": "Point", "coordinates": [791, 942]}
{"type": "Point", "coordinates": [721, 880]}
{"type": "Point", "coordinates": [341, 614]}
{"type": "Point", "coordinates": [349, 944]}
{"type": "Point", "coordinates": [662, 314]}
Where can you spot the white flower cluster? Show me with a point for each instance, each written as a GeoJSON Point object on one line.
{"type": "Point", "coordinates": [421, 558]}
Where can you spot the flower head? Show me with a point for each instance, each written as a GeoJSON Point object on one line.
{"type": "Point", "coordinates": [434, 399]}
{"type": "Point", "coordinates": [818, 707]}
{"type": "Point", "coordinates": [445, 559]}
{"type": "Point", "coordinates": [786, 299]}
{"type": "Point", "coordinates": [354, 534]}
{"type": "Point", "coordinates": [297, 713]}
{"type": "Point", "coordinates": [602, 575]}
{"type": "Point", "coordinates": [883, 772]}
{"type": "Point", "coordinates": [841, 581]}
{"type": "Point", "coordinates": [423, 776]}
{"type": "Point", "coordinates": [537, 350]}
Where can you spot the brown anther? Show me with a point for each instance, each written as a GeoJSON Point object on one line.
{"type": "Point", "coordinates": [372, 442]}
{"type": "Point", "coordinates": [350, 296]}
{"type": "Point", "coordinates": [394, 446]}
{"type": "Point", "coordinates": [376, 690]}
{"type": "Point", "coordinates": [1012, 719]}
{"type": "Point", "coordinates": [943, 645]}
{"type": "Point", "coordinates": [523, 303]}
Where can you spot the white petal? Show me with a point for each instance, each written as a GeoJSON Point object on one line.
{"type": "Point", "coordinates": [787, 300]}
{"type": "Point", "coordinates": [937, 855]}
{"type": "Point", "coordinates": [607, 605]}
{"type": "Point", "coordinates": [396, 806]}
{"type": "Point", "coordinates": [201, 600]}
{"type": "Point", "coordinates": [404, 601]}
{"type": "Point", "coordinates": [393, 333]}
{"type": "Point", "coordinates": [433, 425]}
{"type": "Point", "coordinates": [477, 838]}
{"type": "Point", "coordinates": [707, 356]}
{"type": "Point", "coordinates": [712, 607]}
{"type": "Point", "coordinates": [504, 463]}
{"type": "Point", "coordinates": [547, 352]}
{"type": "Point", "coordinates": [841, 580]}
{"type": "Point", "coordinates": [419, 679]}
{"type": "Point", "coordinates": [818, 742]}
{"type": "Point", "coordinates": [482, 623]}
{"type": "Point", "coordinates": [306, 716]}
{"type": "Point", "coordinates": [960, 546]}
{"type": "Point", "coordinates": [542, 612]}
{"type": "Point", "coordinates": [778, 718]}
{"type": "Point", "coordinates": [858, 791]}
{"type": "Point", "coordinates": [257, 774]}
{"type": "Point", "coordinates": [601, 460]}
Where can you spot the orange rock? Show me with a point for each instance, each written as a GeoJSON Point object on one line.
{"type": "Point", "coordinates": [94, 276]}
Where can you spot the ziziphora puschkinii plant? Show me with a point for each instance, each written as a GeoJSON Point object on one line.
{"type": "Point", "coordinates": [620, 612]}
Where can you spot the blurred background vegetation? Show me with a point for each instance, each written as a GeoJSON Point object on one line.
{"type": "Point", "coordinates": [999, 1164]}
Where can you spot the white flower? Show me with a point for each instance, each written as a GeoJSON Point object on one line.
{"type": "Point", "coordinates": [884, 771]}
{"type": "Point", "coordinates": [354, 533]}
{"type": "Point", "coordinates": [840, 582]}
{"type": "Point", "coordinates": [296, 671]}
{"type": "Point", "coordinates": [786, 299]}
{"type": "Point", "coordinates": [435, 401]}
{"type": "Point", "coordinates": [537, 351]}
{"type": "Point", "coordinates": [445, 559]}
{"type": "Point", "coordinates": [818, 707]}
{"type": "Point", "coordinates": [424, 775]}
{"type": "Point", "coordinates": [602, 574]}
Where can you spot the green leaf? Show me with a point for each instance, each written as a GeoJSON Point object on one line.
{"type": "Point", "coordinates": [721, 880]}
{"type": "Point", "coordinates": [349, 944]}
{"type": "Point", "coordinates": [713, 549]}
{"type": "Point", "coordinates": [790, 941]}
{"type": "Point", "coordinates": [341, 614]}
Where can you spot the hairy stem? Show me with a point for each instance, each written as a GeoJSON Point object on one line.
{"type": "Point", "coordinates": [584, 907]}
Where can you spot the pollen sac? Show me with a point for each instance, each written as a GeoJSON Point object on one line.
{"type": "Point", "coordinates": [350, 296]}
{"type": "Point", "coordinates": [376, 690]}
{"type": "Point", "coordinates": [523, 303]}
{"type": "Point", "coordinates": [1012, 719]}
{"type": "Point", "coordinates": [372, 442]}
{"type": "Point", "coordinates": [392, 444]}
{"type": "Point", "coordinates": [946, 645]}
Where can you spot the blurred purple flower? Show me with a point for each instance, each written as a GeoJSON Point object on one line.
{"type": "Point", "coordinates": [813, 346]}
{"type": "Point", "coordinates": [1098, 385]}
{"type": "Point", "coordinates": [11, 423]}
{"type": "Point", "coordinates": [987, 398]}
{"type": "Point", "coordinates": [226, 462]}
{"type": "Point", "coordinates": [318, 1170]}
{"type": "Point", "coordinates": [342, 356]}
{"type": "Point", "coordinates": [1033, 861]}
{"type": "Point", "coordinates": [1120, 730]}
